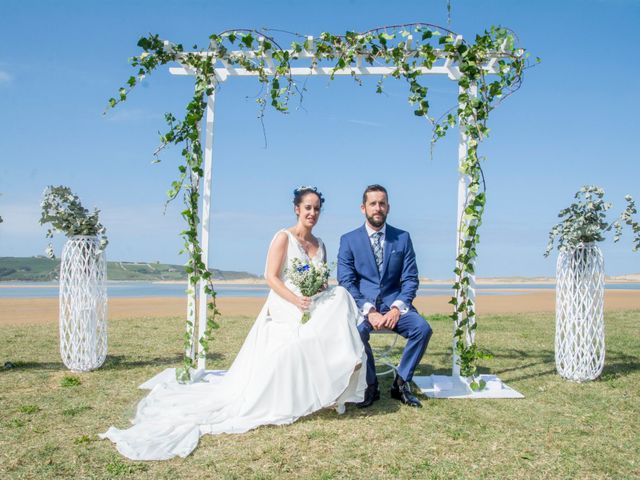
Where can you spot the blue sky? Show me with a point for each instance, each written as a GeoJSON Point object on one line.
{"type": "Point", "coordinates": [573, 122]}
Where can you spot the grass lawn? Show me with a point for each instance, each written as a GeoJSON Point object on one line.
{"type": "Point", "coordinates": [50, 418]}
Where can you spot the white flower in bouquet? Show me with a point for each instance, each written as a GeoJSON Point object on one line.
{"type": "Point", "coordinates": [310, 278]}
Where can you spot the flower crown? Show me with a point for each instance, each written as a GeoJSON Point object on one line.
{"type": "Point", "coordinates": [302, 189]}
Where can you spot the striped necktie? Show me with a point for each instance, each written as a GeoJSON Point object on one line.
{"type": "Point", "coordinates": [377, 249]}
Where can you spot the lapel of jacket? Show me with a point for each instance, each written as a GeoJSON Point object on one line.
{"type": "Point", "coordinates": [389, 244]}
{"type": "Point", "coordinates": [367, 249]}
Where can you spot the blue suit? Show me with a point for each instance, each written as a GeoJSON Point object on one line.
{"type": "Point", "coordinates": [358, 273]}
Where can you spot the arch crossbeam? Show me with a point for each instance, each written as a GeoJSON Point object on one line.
{"type": "Point", "coordinates": [307, 63]}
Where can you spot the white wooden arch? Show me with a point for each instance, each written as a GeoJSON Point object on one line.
{"type": "Point", "coordinates": [305, 63]}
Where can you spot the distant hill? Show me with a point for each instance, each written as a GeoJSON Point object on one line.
{"type": "Point", "coordinates": [42, 269]}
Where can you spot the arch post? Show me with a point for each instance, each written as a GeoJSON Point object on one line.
{"type": "Point", "coordinates": [205, 227]}
{"type": "Point", "coordinates": [463, 193]}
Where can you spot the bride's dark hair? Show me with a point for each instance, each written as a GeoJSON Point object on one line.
{"type": "Point", "coordinates": [300, 192]}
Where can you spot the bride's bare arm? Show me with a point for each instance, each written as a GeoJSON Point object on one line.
{"type": "Point", "coordinates": [275, 259]}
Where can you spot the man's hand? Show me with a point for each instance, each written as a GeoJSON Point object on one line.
{"type": "Point", "coordinates": [391, 318]}
{"type": "Point", "coordinates": [376, 319]}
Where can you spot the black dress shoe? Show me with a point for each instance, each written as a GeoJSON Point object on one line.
{"type": "Point", "coordinates": [371, 394]}
{"type": "Point", "coordinates": [401, 390]}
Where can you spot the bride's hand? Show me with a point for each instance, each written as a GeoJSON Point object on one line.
{"type": "Point", "coordinates": [303, 303]}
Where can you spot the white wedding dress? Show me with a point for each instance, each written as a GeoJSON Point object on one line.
{"type": "Point", "coordinates": [283, 371]}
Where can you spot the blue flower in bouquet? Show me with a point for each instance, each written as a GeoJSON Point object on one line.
{"type": "Point", "coordinates": [309, 278]}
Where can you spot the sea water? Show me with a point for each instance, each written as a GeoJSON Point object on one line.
{"type": "Point", "coordinates": [150, 289]}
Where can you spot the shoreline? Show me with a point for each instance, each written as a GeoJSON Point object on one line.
{"type": "Point", "coordinates": [493, 281]}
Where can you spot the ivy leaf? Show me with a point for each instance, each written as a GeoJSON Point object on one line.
{"type": "Point", "coordinates": [476, 385]}
{"type": "Point", "coordinates": [247, 40]}
{"type": "Point", "coordinates": [427, 34]}
{"type": "Point", "coordinates": [144, 43]}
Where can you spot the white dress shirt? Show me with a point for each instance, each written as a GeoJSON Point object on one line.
{"type": "Point", "coordinates": [369, 307]}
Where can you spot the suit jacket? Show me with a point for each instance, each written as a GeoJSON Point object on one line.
{"type": "Point", "coordinates": [358, 272]}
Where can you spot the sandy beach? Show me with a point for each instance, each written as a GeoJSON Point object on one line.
{"type": "Point", "coordinates": [37, 311]}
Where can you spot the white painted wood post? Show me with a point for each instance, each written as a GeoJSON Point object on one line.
{"type": "Point", "coordinates": [463, 185]}
{"type": "Point", "coordinates": [190, 350]}
{"type": "Point", "coordinates": [471, 333]}
{"type": "Point", "coordinates": [205, 226]}
{"type": "Point", "coordinates": [191, 311]}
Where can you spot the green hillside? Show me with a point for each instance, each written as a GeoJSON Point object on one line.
{"type": "Point", "coordinates": [42, 269]}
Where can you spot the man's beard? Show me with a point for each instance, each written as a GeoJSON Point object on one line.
{"type": "Point", "coordinates": [377, 223]}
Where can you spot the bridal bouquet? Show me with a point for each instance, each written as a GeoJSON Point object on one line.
{"type": "Point", "coordinates": [308, 277]}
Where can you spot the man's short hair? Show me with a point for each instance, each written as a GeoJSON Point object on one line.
{"type": "Point", "coordinates": [373, 188]}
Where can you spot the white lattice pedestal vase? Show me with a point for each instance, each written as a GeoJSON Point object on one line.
{"type": "Point", "coordinates": [580, 313]}
{"type": "Point", "coordinates": [83, 304]}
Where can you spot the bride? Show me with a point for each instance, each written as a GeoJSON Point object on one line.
{"type": "Point", "coordinates": [284, 370]}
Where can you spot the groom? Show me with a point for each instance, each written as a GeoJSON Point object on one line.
{"type": "Point", "coordinates": [377, 265]}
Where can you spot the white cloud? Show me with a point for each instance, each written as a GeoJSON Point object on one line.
{"type": "Point", "coordinates": [365, 123]}
{"type": "Point", "coordinates": [131, 115]}
{"type": "Point", "coordinates": [22, 220]}
{"type": "Point", "coordinates": [5, 78]}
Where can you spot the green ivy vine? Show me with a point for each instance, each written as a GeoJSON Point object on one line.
{"type": "Point", "coordinates": [407, 48]}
